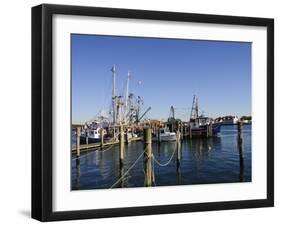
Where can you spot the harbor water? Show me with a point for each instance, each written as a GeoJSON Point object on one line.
{"type": "Point", "coordinates": [202, 161]}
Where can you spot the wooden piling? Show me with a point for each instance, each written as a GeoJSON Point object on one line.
{"type": "Point", "coordinates": [114, 133]}
{"type": "Point", "coordinates": [181, 130]}
{"type": "Point", "coordinates": [178, 136]}
{"type": "Point", "coordinates": [241, 149]}
{"type": "Point", "coordinates": [101, 137]}
{"type": "Point", "coordinates": [87, 136]}
{"type": "Point", "coordinates": [147, 137]}
{"type": "Point", "coordinates": [178, 151]}
{"type": "Point", "coordinates": [121, 145]}
{"type": "Point", "coordinates": [159, 135]}
{"type": "Point", "coordinates": [240, 139]}
{"type": "Point", "coordinates": [156, 133]}
{"type": "Point", "coordinates": [78, 131]}
{"type": "Point", "coordinates": [128, 140]}
{"type": "Point", "coordinates": [240, 130]}
{"type": "Point", "coordinates": [190, 132]}
{"type": "Point", "coordinates": [211, 129]}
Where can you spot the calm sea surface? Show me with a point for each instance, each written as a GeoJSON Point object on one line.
{"type": "Point", "coordinates": [203, 161]}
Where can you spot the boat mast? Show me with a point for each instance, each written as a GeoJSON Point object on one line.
{"type": "Point", "coordinates": [194, 115]}
{"type": "Point", "coordinates": [127, 95]}
{"type": "Point", "coordinates": [113, 69]}
{"type": "Point", "coordinates": [172, 112]}
{"type": "Point", "coordinates": [197, 108]}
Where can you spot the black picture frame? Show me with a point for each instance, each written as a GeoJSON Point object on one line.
{"type": "Point", "coordinates": [42, 111]}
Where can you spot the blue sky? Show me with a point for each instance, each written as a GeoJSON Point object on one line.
{"type": "Point", "coordinates": [171, 71]}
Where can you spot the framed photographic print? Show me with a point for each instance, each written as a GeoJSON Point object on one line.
{"type": "Point", "coordinates": [146, 112]}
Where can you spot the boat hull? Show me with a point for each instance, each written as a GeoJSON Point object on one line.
{"type": "Point", "coordinates": [168, 138]}
{"type": "Point", "coordinates": [90, 140]}
{"type": "Point", "coordinates": [202, 130]}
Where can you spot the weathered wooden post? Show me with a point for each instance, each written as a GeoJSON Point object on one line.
{"type": "Point", "coordinates": [190, 132]}
{"type": "Point", "coordinates": [101, 137]}
{"type": "Point", "coordinates": [240, 139]}
{"type": "Point", "coordinates": [148, 156]}
{"type": "Point", "coordinates": [87, 136]}
{"type": "Point", "coordinates": [78, 131]}
{"type": "Point", "coordinates": [159, 135]}
{"type": "Point", "coordinates": [178, 146]}
{"type": "Point", "coordinates": [128, 140]}
{"type": "Point", "coordinates": [121, 145]}
{"type": "Point", "coordinates": [114, 133]}
{"type": "Point", "coordinates": [178, 133]}
{"type": "Point", "coordinates": [211, 129]}
{"type": "Point", "coordinates": [178, 136]}
{"type": "Point", "coordinates": [181, 131]}
{"type": "Point", "coordinates": [156, 133]}
{"type": "Point", "coordinates": [241, 149]}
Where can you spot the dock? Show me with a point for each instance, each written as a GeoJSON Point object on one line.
{"type": "Point", "coordinates": [87, 147]}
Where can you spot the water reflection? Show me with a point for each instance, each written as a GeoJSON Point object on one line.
{"type": "Point", "coordinates": [241, 158]}
{"type": "Point", "coordinates": [121, 175]}
{"type": "Point", "coordinates": [201, 148]}
{"type": "Point", "coordinates": [78, 171]}
{"type": "Point", "coordinates": [196, 161]}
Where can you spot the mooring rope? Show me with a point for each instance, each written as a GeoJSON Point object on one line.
{"type": "Point", "coordinates": [92, 151]}
{"type": "Point", "coordinates": [131, 167]}
{"type": "Point", "coordinates": [164, 164]}
{"type": "Point", "coordinates": [105, 150]}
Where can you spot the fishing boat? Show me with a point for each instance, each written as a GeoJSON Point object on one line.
{"type": "Point", "coordinates": [200, 124]}
{"type": "Point", "coordinates": [123, 110]}
{"type": "Point", "coordinates": [229, 120]}
{"type": "Point", "coordinates": [93, 135]}
{"type": "Point", "coordinates": [166, 135]}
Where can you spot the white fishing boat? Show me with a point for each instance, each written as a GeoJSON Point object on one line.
{"type": "Point", "coordinates": [92, 134]}
{"type": "Point", "coordinates": [166, 135]}
{"type": "Point", "coordinates": [229, 120]}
